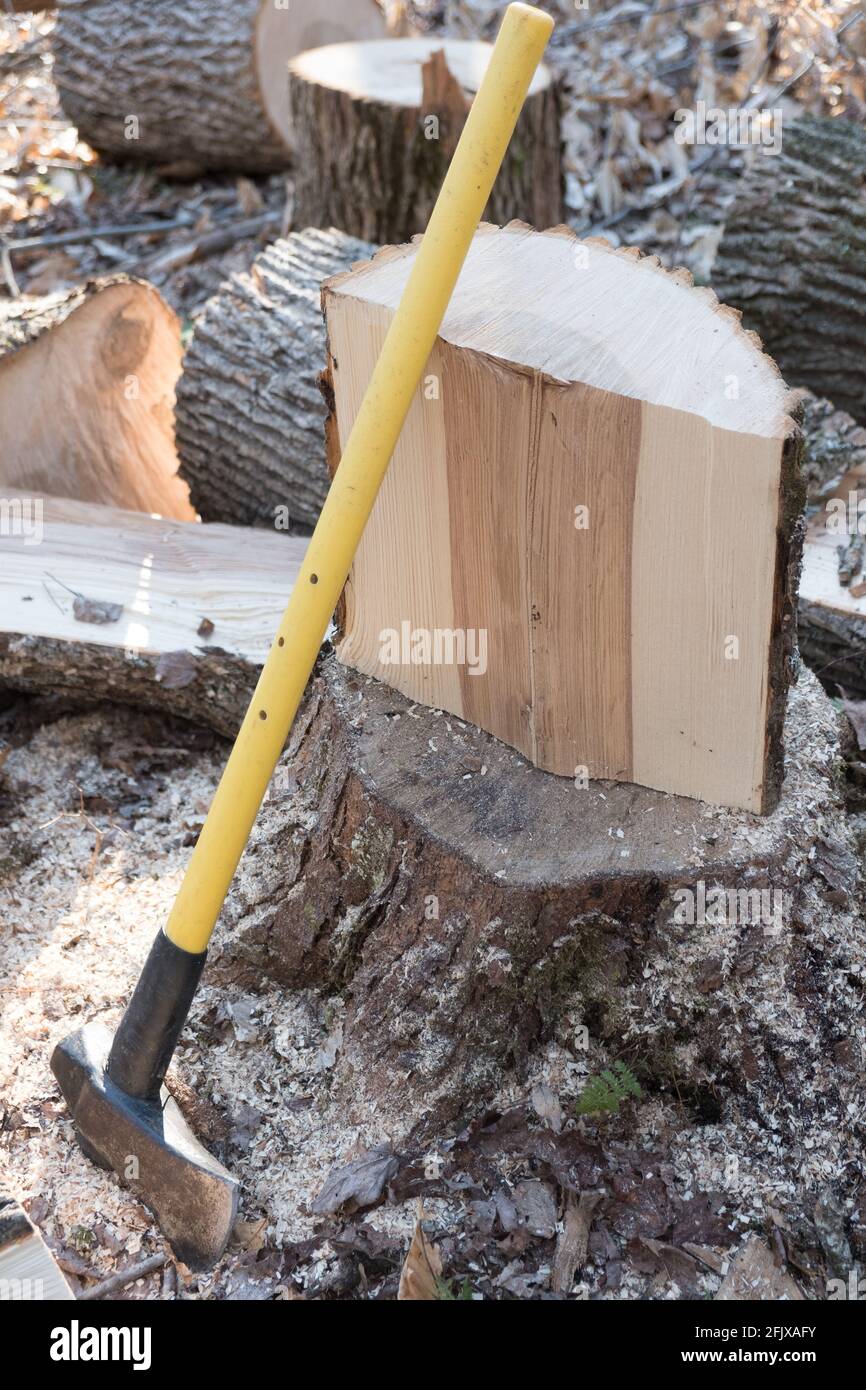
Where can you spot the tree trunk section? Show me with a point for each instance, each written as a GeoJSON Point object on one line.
{"type": "Point", "coordinates": [100, 604]}
{"type": "Point", "coordinates": [463, 901]}
{"type": "Point", "coordinates": [250, 415]}
{"type": "Point", "coordinates": [793, 258]}
{"type": "Point", "coordinates": [87, 384]}
{"type": "Point", "coordinates": [374, 144]}
{"type": "Point", "coordinates": [199, 85]}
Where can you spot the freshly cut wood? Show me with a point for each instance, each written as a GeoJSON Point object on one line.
{"type": "Point", "coordinates": [250, 415]}
{"type": "Point", "coordinates": [103, 604]}
{"type": "Point", "coordinates": [376, 125]}
{"type": "Point", "coordinates": [203, 83]}
{"type": "Point", "coordinates": [466, 907]}
{"type": "Point", "coordinates": [87, 385]}
{"type": "Point", "coordinates": [28, 1272]}
{"type": "Point", "coordinates": [832, 609]}
{"type": "Point", "coordinates": [793, 257]}
{"type": "Point", "coordinates": [587, 542]}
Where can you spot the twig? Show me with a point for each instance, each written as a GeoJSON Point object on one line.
{"type": "Point", "coordinates": [209, 244]}
{"type": "Point", "coordinates": [83, 234]}
{"type": "Point", "coordinates": [120, 1281]}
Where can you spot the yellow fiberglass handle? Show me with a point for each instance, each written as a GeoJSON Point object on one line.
{"type": "Point", "coordinates": [489, 126]}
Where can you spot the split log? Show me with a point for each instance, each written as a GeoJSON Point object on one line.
{"type": "Point", "coordinates": [793, 257]}
{"type": "Point", "coordinates": [87, 397]}
{"type": "Point", "coordinates": [202, 83]}
{"type": "Point", "coordinates": [588, 539]}
{"type": "Point", "coordinates": [376, 125]}
{"type": "Point", "coordinates": [832, 607]}
{"type": "Point", "coordinates": [101, 604]}
{"type": "Point", "coordinates": [250, 415]}
{"type": "Point", "coordinates": [465, 904]}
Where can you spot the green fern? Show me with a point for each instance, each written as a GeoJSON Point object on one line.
{"type": "Point", "coordinates": [606, 1092]}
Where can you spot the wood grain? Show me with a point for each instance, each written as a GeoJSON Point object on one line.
{"type": "Point", "coordinates": [597, 484]}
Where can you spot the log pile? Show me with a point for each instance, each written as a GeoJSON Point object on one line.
{"type": "Point", "coordinates": [376, 124]}
{"type": "Point", "coordinates": [199, 86]}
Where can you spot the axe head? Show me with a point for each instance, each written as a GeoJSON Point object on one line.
{"type": "Point", "coordinates": [150, 1147]}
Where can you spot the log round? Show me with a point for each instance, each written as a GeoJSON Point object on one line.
{"type": "Point", "coordinates": [201, 84]}
{"type": "Point", "coordinates": [102, 362]}
{"type": "Point", "coordinates": [376, 125]}
{"type": "Point", "coordinates": [466, 904]}
{"type": "Point", "coordinates": [250, 415]}
{"type": "Point", "coordinates": [793, 257]}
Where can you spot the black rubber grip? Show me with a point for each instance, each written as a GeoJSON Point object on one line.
{"type": "Point", "coordinates": [154, 1017]}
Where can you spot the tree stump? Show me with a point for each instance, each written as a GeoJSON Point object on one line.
{"type": "Point", "coordinates": [376, 125]}
{"type": "Point", "coordinates": [87, 384]}
{"type": "Point", "coordinates": [793, 257]}
{"type": "Point", "coordinates": [250, 415]}
{"type": "Point", "coordinates": [465, 904]}
{"type": "Point", "coordinates": [201, 85]}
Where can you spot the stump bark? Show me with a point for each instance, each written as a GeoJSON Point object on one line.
{"type": "Point", "coordinates": [832, 602]}
{"type": "Point", "coordinates": [793, 258]}
{"type": "Point", "coordinates": [376, 125]}
{"type": "Point", "coordinates": [87, 383]}
{"type": "Point", "coordinates": [250, 415]}
{"type": "Point", "coordinates": [202, 84]}
{"type": "Point", "coordinates": [465, 903]}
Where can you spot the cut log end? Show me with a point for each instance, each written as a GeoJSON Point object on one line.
{"type": "Point", "coordinates": [87, 386]}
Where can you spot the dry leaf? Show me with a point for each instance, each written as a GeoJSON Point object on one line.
{"type": "Point", "coordinates": [754, 1275]}
{"type": "Point", "coordinates": [422, 1270]}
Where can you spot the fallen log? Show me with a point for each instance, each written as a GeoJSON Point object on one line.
{"type": "Point", "coordinates": [202, 84]}
{"type": "Point", "coordinates": [588, 539]}
{"type": "Point", "coordinates": [101, 604]}
{"type": "Point", "coordinates": [87, 385]}
{"type": "Point", "coordinates": [376, 124]}
{"type": "Point", "coordinates": [832, 605]}
{"type": "Point", "coordinates": [250, 415]}
{"type": "Point", "coordinates": [793, 257]}
{"type": "Point", "coordinates": [467, 906]}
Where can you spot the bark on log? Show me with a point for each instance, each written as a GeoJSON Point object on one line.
{"type": "Point", "coordinates": [201, 84]}
{"type": "Point", "coordinates": [832, 614]}
{"type": "Point", "coordinates": [250, 416]}
{"type": "Point", "coordinates": [87, 384]}
{"type": "Point", "coordinates": [194, 608]}
{"type": "Point", "coordinates": [463, 902]}
{"type": "Point", "coordinates": [793, 258]}
{"type": "Point", "coordinates": [371, 158]}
